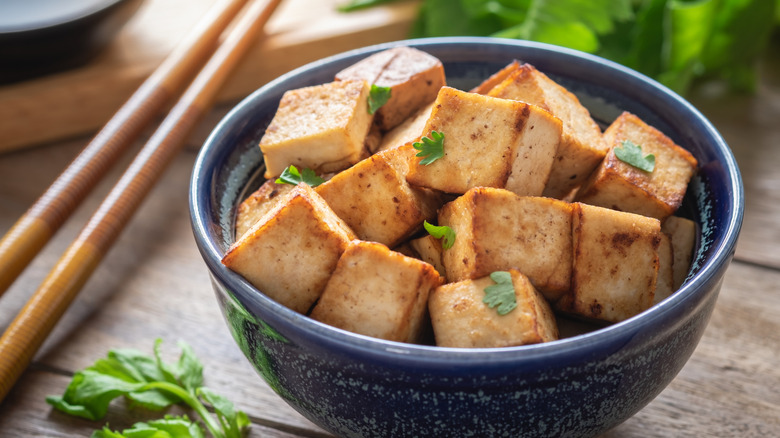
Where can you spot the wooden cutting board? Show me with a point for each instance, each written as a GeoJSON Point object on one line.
{"type": "Point", "coordinates": [80, 101]}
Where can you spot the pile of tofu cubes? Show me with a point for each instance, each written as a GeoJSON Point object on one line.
{"type": "Point", "coordinates": [528, 182]}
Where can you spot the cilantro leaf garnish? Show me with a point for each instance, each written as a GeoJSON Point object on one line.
{"type": "Point", "coordinates": [443, 232]}
{"type": "Point", "coordinates": [292, 176]}
{"type": "Point", "coordinates": [377, 97]}
{"type": "Point", "coordinates": [631, 153]}
{"type": "Point", "coordinates": [501, 294]}
{"type": "Point", "coordinates": [430, 148]}
{"type": "Point", "coordinates": [154, 384]}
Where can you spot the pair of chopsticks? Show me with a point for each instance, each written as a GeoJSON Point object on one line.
{"type": "Point", "coordinates": [35, 321]}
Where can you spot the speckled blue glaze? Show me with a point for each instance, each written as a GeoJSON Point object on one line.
{"type": "Point", "coordinates": [355, 386]}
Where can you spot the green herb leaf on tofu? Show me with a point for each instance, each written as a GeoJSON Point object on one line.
{"type": "Point", "coordinates": [431, 148]}
{"type": "Point", "coordinates": [631, 153]}
{"type": "Point", "coordinates": [377, 97]}
{"type": "Point", "coordinates": [291, 175]}
{"type": "Point", "coordinates": [502, 294]}
{"type": "Point", "coordinates": [443, 232]}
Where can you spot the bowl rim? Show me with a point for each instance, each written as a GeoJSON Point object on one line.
{"type": "Point", "coordinates": [431, 356]}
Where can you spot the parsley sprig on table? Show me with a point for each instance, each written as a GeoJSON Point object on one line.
{"type": "Point", "coordinates": [154, 384]}
{"type": "Point", "coordinates": [631, 153]}
{"type": "Point", "coordinates": [502, 294]}
{"type": "Point", "coordinates": [291, 175]}
{"type": "Point", "coordinates": [431, 148]}
{"type": "Point", "coordinates": [673, 41]}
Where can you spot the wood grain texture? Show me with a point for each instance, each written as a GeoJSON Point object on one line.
{"type": "Point", "coordinates": [80, 101]}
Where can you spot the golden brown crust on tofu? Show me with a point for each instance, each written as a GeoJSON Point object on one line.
{"type": "Point", "coordinates": [413, 76]}
{"type": "Point", "coordinates": [495, 79]}
{"type": "Point", "coordinates": [497, 230]}
{"type": "Point", "coordinates": [375, 200]}
{"type": "Point", "coordinates": [377, 292]}
{"type": "Point", "coordinates": [461, 319]}
{"type": "Point", "coordinates": [664, 285]}
{"type": "Point", "coordinates": [621, 186]}
{"type": "Point", "coordinates": [429, 250]}
{"type": "Point", "coordinates": [532, 165]}
{"type": "Point", "coordinates": [407, 132]}
{"type": "Point", "coordinates": [290, 254]}
{"type": "Point", "coordinates": [260, 202]}
{"type": "Point", "coordinates": [482, 141]}
{"type": "Point", "coordinates": [322, 127]}
{"type": "Point", "coordinates": [615, 263]}
{"type": "Point", "coordinates": [581, 147]}
{"type": "Point", "coordinates": [682, 234]}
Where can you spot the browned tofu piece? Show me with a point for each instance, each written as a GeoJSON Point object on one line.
{"type": "Point", "coordinates": [581, 147]}
{"type": "Point", "coordinates": [322, 127]}
{"type": "Point", "coordinates": [462, 319]}
{"type": "Point", "coordinates": [409, 131]}
{"type": "Point", "coordinates": [413, 76]}
{"type": "Point", "coordinates": [290, 254]}
{"type": "Point", "coordinates": [664, 285]}
{"type": "Point", "coordinates": [615, 263]}
{"type": "Point", "coordinates": [497, 230]}
{"type": "Point", "coordinates": [260, 202]}
{"type": "Point", "coordinates": [621, 186]}
{"type": "Point", "coordinates": [488, 142]}
{"type": "Point", "coordinates": [373, 141]}
{"type": "Point", "coordinates": [496, 78]}
{"type": "Point", "coordinates": [375, 200]}
{"type": "Point", "coordinates": [429, 250]}
{"type": "Point", "coordinates": [377, 292]}
{"type": "Point", "coordinates": [682, 234]}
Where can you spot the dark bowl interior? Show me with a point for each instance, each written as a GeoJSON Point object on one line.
{"type": "Point", "coordinates": [43, 37]}
{"type": "Point", "coordinates": [353, 385]}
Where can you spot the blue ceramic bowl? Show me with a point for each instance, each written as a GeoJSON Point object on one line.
{"type": "Point", "coordinates": [356, 386]}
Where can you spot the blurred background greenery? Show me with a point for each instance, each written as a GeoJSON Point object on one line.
{"type": "Point", "coordinates": [677, 42]}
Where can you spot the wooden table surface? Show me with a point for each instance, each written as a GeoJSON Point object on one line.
{"type": "Point", "coordinates": [153, 284]}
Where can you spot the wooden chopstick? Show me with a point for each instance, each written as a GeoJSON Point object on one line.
{"type": "Point", "coordinates": [33, 230]}
{"type": "Point", "coordinates": [37, 318]}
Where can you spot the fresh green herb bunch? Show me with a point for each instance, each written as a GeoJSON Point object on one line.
{"type": "Point", "coordinates": [153, 384]}
{"type": "Point", "coordinates": [673, 41]}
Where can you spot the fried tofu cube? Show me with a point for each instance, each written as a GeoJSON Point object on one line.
{"type": "Point", "coordinates": [496, 78]}
{"type": "Point", "coordinates": [260, 202]}
{"type": "Point", "coordinates": [682, 234]}
{"type": "Point", "coordinates": [488, 142]}
{"type": "Point", "coordinates": [429, 250]}
{"type": "Point", "coordinates": [664, 285]}
{"type": "Point", "coordinates": [461, 318]}
{"type": "Point", "coordinates": [375, 200]}
{"type": "Point", "coordinates": [497, 230]}
{"type": "Point", "coordinates": [290, 254]}
{"type": "Point", "coordinates": [322, 127]}
{"type": "Point", "coordinates": [621, 186]}
{"type": "Point", "coordinates": [377, 292]}
{"type": "Point", "coordinates": [581, 148]}
{"type": "Point", "coordinates": [413, 76]}
{"type": "Point", "coordinates": [407, 132]}
{"type": "Point", "coordinates": [615, 263]}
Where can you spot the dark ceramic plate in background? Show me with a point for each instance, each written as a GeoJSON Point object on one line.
{"type": "Point", "coordinates": [356, 386]}
{"type": "Point", "coordinates": [44, 36]}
